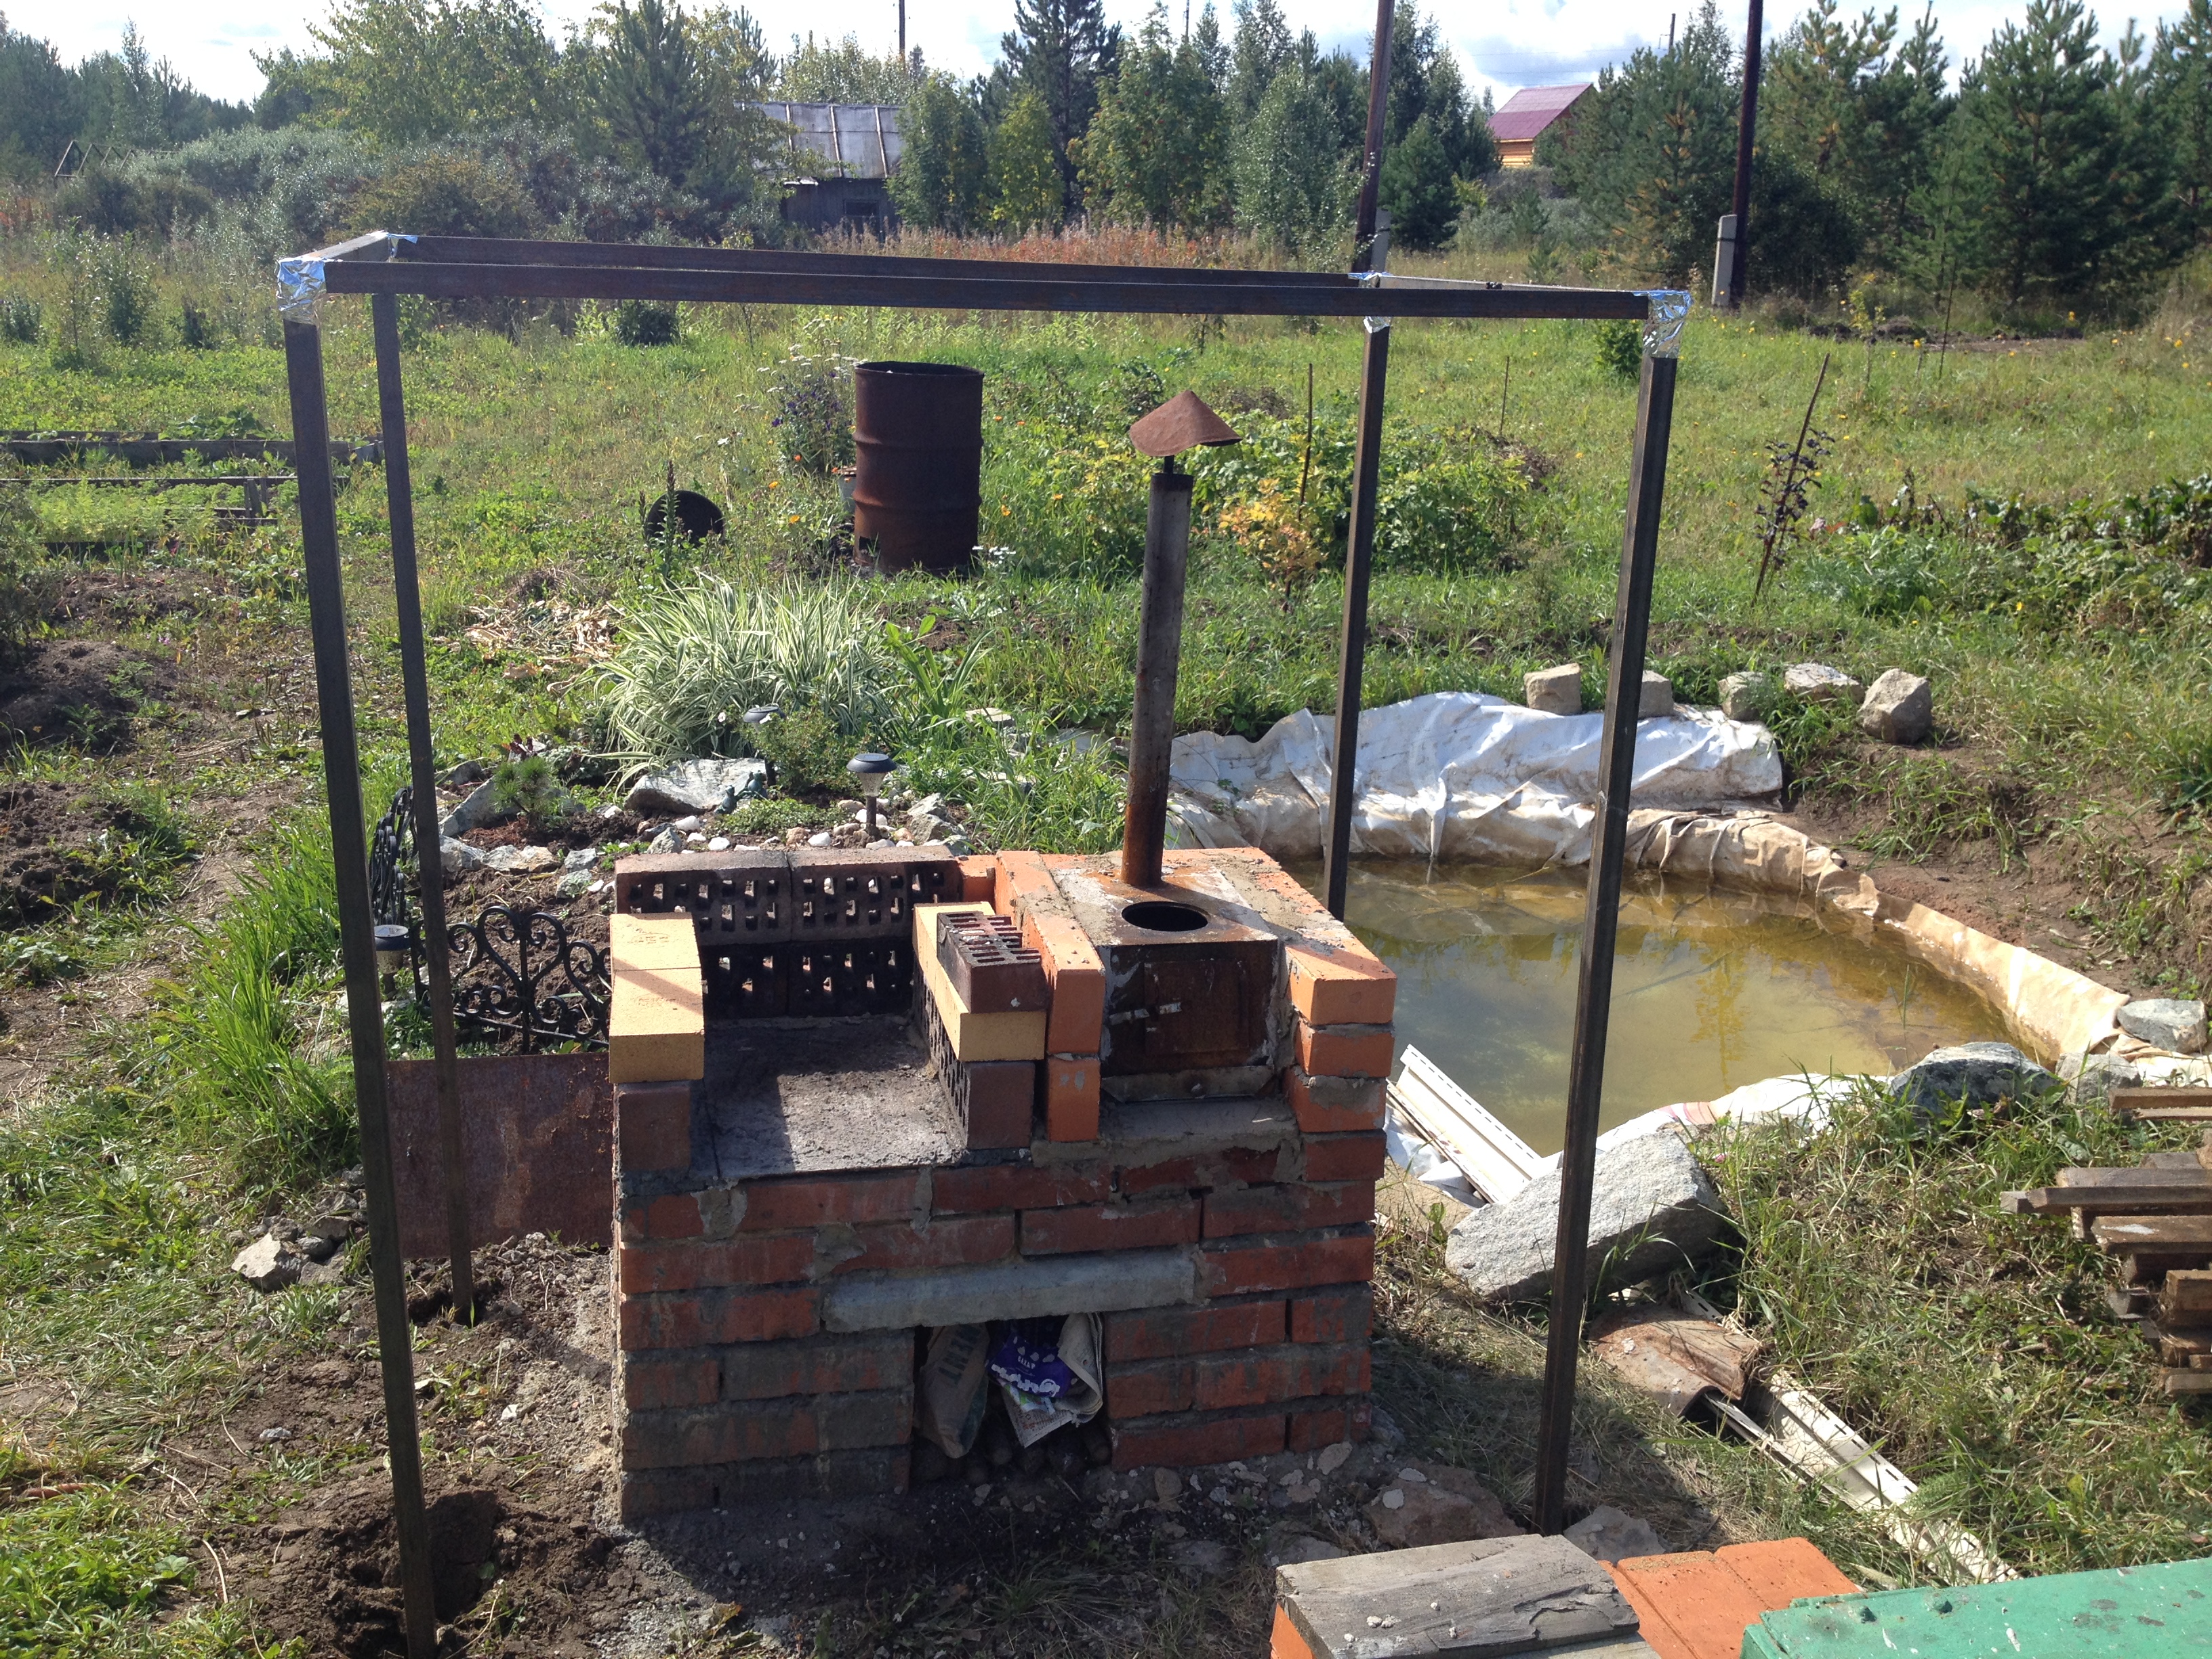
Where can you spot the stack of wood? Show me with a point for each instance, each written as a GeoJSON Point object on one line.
{"type": "Point", "coordinates": [2155, 1219]}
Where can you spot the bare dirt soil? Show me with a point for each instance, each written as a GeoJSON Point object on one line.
{"type": "Point", "coordinates": [82, 691]}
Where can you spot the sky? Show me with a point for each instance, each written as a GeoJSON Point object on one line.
{"type": "Point", "coordinates": [1502, 46]}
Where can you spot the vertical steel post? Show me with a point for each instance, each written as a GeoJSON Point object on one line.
{"type": "Point", "coordinates": [1378, 109]}
{"type": "Point", "coordinates": [429, 865]}
{"type": "Point", "coordinates": [1159, 653]}
{"type": "Point", "coordinates": [318, 536]}
{"type": "Point", "coordinates": [1624, 691]}
{"type": "Point", "coordinates": [1359, 545]}
{"type": "Point", "coordinates": [1746, 128]}
{"type": "Point", "coordinates": [1351, 659]}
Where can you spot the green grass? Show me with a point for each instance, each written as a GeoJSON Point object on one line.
{"type": "Point", "coordinates": [1972, 1347]}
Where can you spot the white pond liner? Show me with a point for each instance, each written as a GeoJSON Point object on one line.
{"type": "Point", "coordinates": [1457, 776]}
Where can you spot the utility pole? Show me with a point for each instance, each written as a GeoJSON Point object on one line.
{"type": "Point", "coordinates": [1746, 130]}
{"type": "Point", "coordinates": [902, 33]}
{"type": "Point", "coordinates": [1378, 103]}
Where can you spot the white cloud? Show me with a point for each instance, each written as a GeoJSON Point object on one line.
{"type": "Point", "coordinates": [1522, 43]}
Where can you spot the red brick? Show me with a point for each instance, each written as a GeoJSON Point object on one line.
{"type": "Point", "coordinates": [954, 1242]}
{"type": "Point", "coordinates": [1345, 1157]}
{"type": "Point", "coordinates": [649, 1493]}
{"type": "Point", "coordinates": [1161, 1332]}
{"type": "Point", "coordinates": [1285, 1262]}
{"type": "Point", "coordinates": [697, 1319]}
{"type": "Point", "coordinates": [1345, 1050]}
{"type": "Point", "coordinates": [978, 879]}
{"type": "Point", "coordinates": [675, 1216]}
{"type": "Point", "coordinates": [821, 1364]}
{"type": "Point", "coordinates": [660, 1383]}
{"type": "Point", "coordinates": [1343, 1313]}
{"type": "Point", "coordinates": [817, 1200]}
{"type": "Point", "coordinates": [1021, 875]}
{"type": "Point", "coordinates": [1333, 1105]}
{"type": "Point", "coordinates": [1149, 1388]}
{"type": "Point", "coordinates": [997, 1099]}
{"type": "Point", "coordinates": [1190, 1442]}
{"type": "Point", "coordinates": [1071, 1097]}
{"type": "Point", "coordinates": [1015, 1187]}
{"type": "Point", "coordinates": [1253, 1165]}
{"type": "Point", "coordinates": [1326, 1425]}
{"type": "Point", "coordinates": [777, 1259]}
{"type": "Point", "coordinates": [1109, 1227]}
{"type": "Point", "coordinates": [1339, 983]}
{"type": "Point", "coordinates": [718, 1434]}
{"type": "Point", "coordinates": [1075, 1022]}
{"type": "Point", "coordinates": [1284, 1641]}
{"type": "Point", "coordinates": [1293, 1207]}
{"type": "Point", "coordinates": [1182, 1172]}
{"type": "Point", "coordinates": [654, 1120]}
{"type": "Point", "coordinates": [844, 1421]}
{"type": "Point", "coordinates": [1267, 1376]}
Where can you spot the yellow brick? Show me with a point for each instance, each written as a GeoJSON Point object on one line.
{"type": "Point", "coordinates": [974, 1037]}
{"type": "Point", "coordinates": [651, 942]}
{"type": "Point", "coordinates": [656, 1026]}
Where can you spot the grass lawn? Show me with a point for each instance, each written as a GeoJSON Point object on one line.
{"type": "Point", "coordinates": [180, 1075]}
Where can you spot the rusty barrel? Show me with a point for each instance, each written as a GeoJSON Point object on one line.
{"type": "Point", "coordinates": [918, 429]}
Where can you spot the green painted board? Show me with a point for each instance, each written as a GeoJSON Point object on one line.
{"type": "Point", "coordinates": [2150, 1611]}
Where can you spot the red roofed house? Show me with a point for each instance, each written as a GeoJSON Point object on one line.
{"type": "Point", "coordinates": [1528, 113]}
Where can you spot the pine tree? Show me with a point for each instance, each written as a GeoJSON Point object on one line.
{"type": "Point", "coordinates": [1261, 49]}
{"type": "Point", "coordinates": [2068, 189]}
{"type": "Point", "coordinates": [1061, 49]}
{"type": "Point", "coordinates": [940, 179]}
{"type": "Point", "coordinates": [2180, 92]}
{"type": "Point", "coordinates": [1417, 188]}
{"type": "Point", "coordinates": [1292, 185]}
{"type": "Point", "coordinates": [1652, 153]}
{"type": "Point", "coordinates": [1157, 150]}
{"type": "Point", "coordinates": [1024, 177]}
{"type": "Point", "coordinates": [1424, 80]}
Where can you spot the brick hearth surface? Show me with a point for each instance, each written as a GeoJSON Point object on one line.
{"type": "Point", "coordinates": [1185, 1141]}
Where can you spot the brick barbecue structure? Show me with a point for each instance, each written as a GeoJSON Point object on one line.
{"type": "Point", "coordinates": [824, 1150]}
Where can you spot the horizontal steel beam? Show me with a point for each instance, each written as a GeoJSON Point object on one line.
{"type": "Point", "coordinates": [1142, 290]}
{"type": "Point", "coordinates": [499, 251]}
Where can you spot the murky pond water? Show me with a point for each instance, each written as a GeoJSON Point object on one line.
{"type": "Point", "coordinates": [1713, 987]}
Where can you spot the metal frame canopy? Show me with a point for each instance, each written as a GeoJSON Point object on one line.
{"type": "Point", "coordinates": [385, 264]}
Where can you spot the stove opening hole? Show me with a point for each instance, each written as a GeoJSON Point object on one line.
{"type": "Point", "coordinates": [1164, 916]}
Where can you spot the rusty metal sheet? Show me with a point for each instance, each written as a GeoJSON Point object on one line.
{"type": "Point", "coordinates": [539, 1136]}
{"type": "Point", "coordinates": [1674, 1357]}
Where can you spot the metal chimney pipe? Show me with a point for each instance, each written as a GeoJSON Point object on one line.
{"type": "Point", "coordinates": [1159, 652]}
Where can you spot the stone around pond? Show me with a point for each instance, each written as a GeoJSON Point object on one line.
{"type": "Point", "coordinates": [1898, 708]}
{"type": "Point", "coordinates": [1554, 691]}
{"type": "Point", "coordinates": [1980, 1073]}
{"type": "Point", "coordinates": [520, 860]}
{"type": "Point", "coordinates": [457, 858]}
{"type": "Point", "coordinates": [2093, 1076]}
{"type": "Point", "coordinates": [1744, 696]}
{"type": "Point", "coordinates": [1652, 1207]}
{"type": "Point", "coordinates": [1657, 700]}
{"type": "Point", "coordinates": [1816, 681]}
{"type": "Point", "coordinates": [2167, 1022]}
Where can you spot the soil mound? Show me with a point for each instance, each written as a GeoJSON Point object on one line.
{"type": "Point", "coordinates": [82, 691]}
{"type": "Point", "coordinates": [59, 845]}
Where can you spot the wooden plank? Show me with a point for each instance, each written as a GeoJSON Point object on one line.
{"type": "Point", "coordinates": [2163, 1105]}
{"type": "Point", "coordinates": [2187, 1292]}
{"type": "Point", "coordinates": [2186, 1381]}
{"type": "Point", "coordinates": [2127, 1303]}
{"type": "Point", "coordinates": [2153, 1194]}
{"type": "Point", "coordinates": [2101, 1176]}
{"type": "Point", "coordinates": [2154, 1232]}
{"type": "Point", "coordinates": [1494, 1595]}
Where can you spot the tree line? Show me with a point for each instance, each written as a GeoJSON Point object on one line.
{"type": "Point", "coordinates": [2049, 174]}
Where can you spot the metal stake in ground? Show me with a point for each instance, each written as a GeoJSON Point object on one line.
{"type": "Point", "coordinates": [1631, 618]}
{"type": "Point", "coordinates": [1183, 422]}
{"type": "Point", "coordinates": [1351, 659]}
{"type": "Point", "coordinates": [1746, 131]}
{"type": "Point", "coordinates": [318, 536]}
{"type": "Point", "coordinates": [429, 862]}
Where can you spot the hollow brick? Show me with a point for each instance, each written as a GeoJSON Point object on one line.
{"type": "Point", "coordinates": [653, 1121]}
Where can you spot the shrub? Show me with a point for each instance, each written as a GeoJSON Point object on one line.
{"type": "Point", "coordinates": [197, 327]}
{"type": "Point", "coordinates": [642, 323]}
{"type": "Point", "coordinates": [445, 195]}
{"type": "Point", "coordinates": [22, 320]}
{"type": "Point", "coordinates": [806, 750]}
{"type": "Point", "coordinates": [126, 293]}
{"type": "Point", "coordinates": [528, 788]}
{"type": "Point", "coordinates": [1620, 349]}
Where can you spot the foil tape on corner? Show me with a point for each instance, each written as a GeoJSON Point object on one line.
{"type": "Point", "coordinates": [1663, 331]}
{"type": "Point", "coordinates": [300, 288]}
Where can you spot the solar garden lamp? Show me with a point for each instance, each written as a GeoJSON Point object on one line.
{"type": "Point", "coordinates": [869, 770]}
{"type": "Point", "coordinates": [394, 943]}
{"type": "Point", "coordinates": [757, 717]}
{"type": "Point", "coordinates": [1183, 423]}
